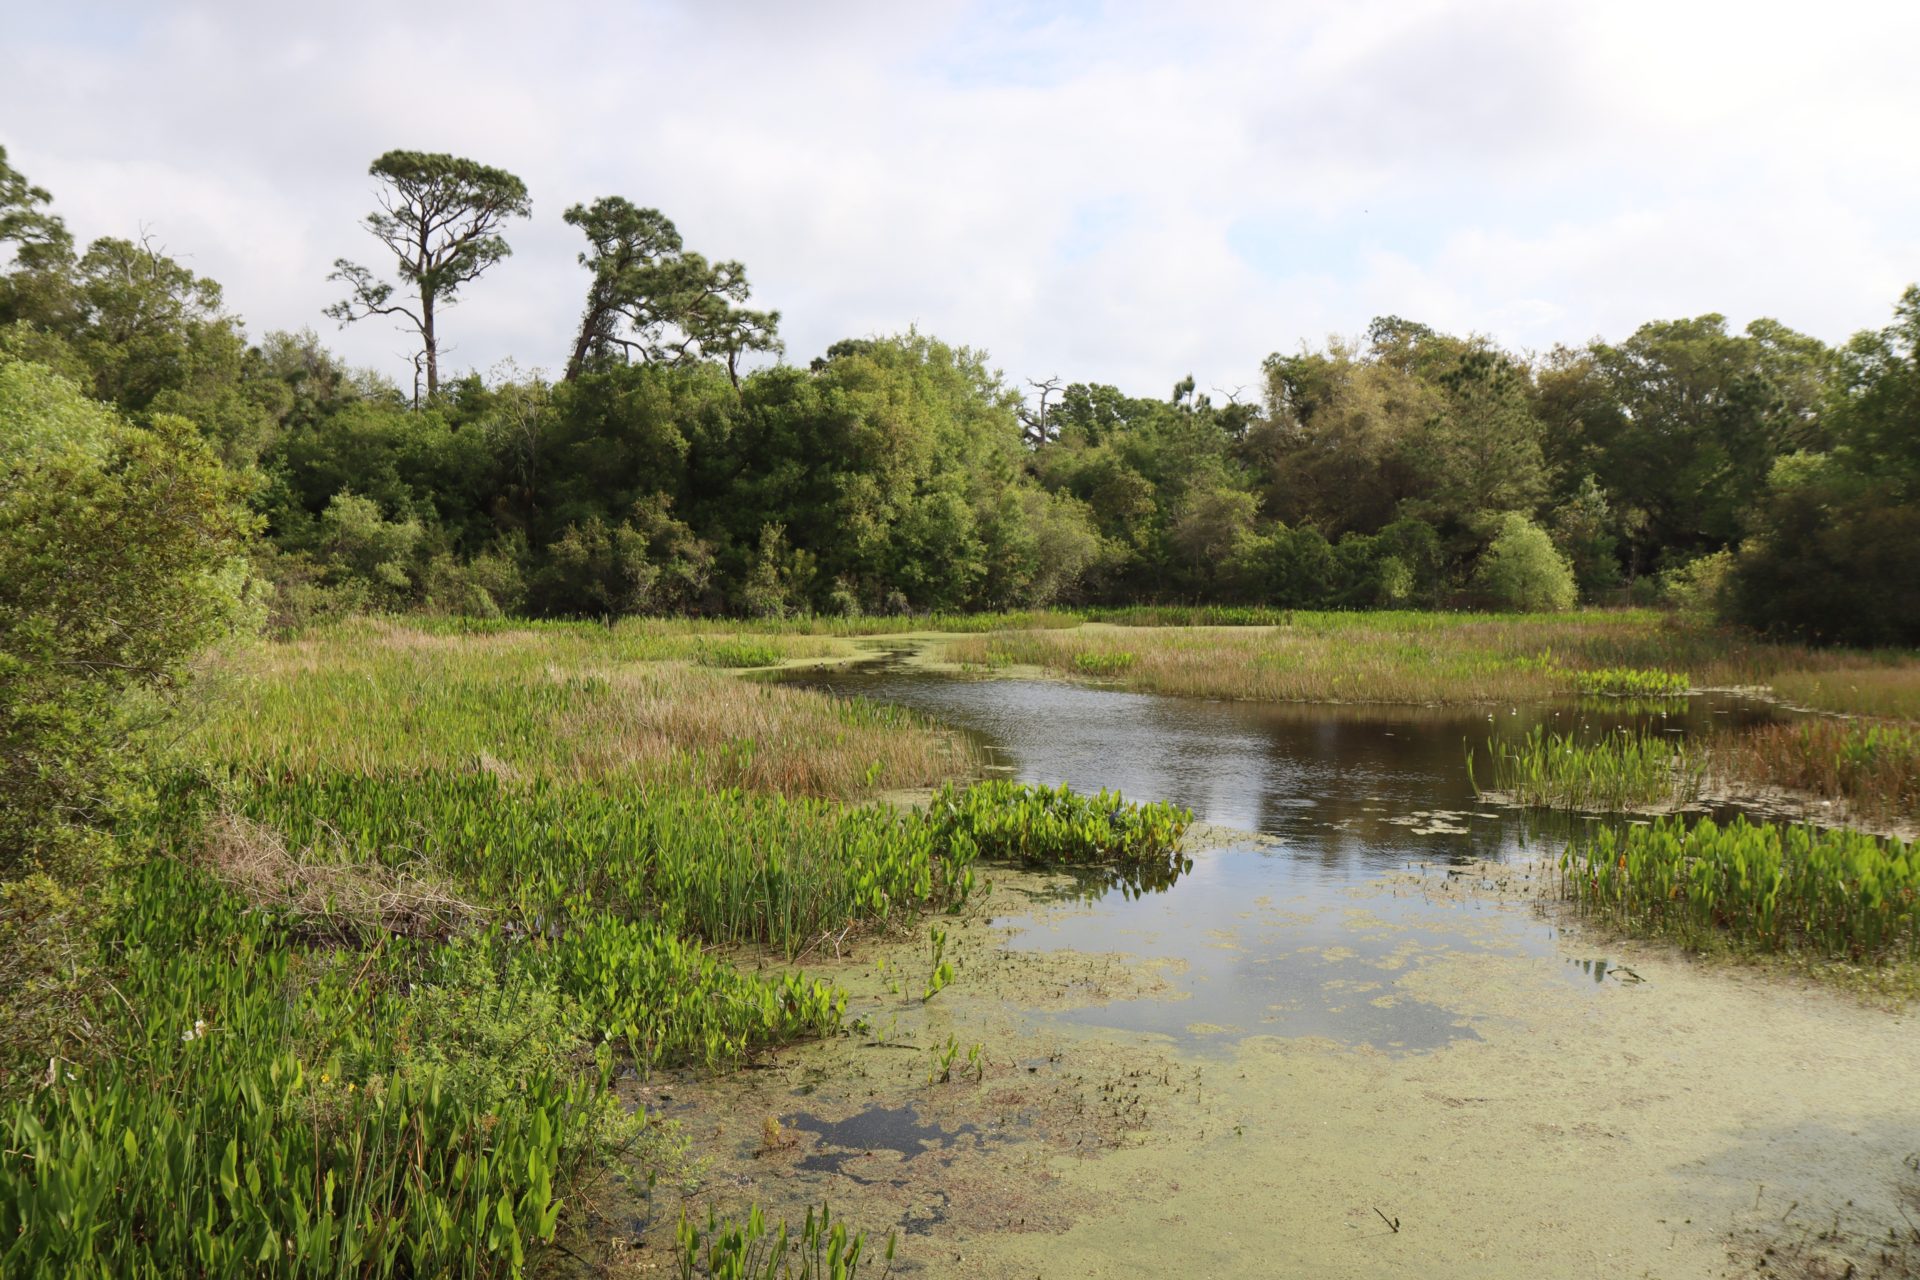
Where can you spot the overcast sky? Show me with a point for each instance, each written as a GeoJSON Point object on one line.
{"type": "Point", "coordinates": [1110, 192]}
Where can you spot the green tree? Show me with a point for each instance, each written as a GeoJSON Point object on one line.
{"type": "Point", "coordinates": [1583, 529]}
{"type": "Point", "coordinates": [1521, 569]}
{"type": "Point", "coordinates": [653, 300]}
{"type": "Point", "coordinates": [1686, 421]}
{"type": "Point", "coordinates": [38, 238]}
{"type": "Point", "coordinates": [441, 216]}
{"type": "Point", "coordinates": [1834, 549]}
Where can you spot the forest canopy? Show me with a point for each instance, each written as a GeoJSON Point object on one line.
{"type": "Point", "coordinates": [677, 464]}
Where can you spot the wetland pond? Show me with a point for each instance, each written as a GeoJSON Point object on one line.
{"type": "Point", "coordinates": [1351, 1040]}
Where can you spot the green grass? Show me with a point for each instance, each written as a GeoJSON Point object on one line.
{"type": "Point", "coordinates": [740, 653]}
{"type": "Point", "coordinates": [1837, 895]}
{"type": "Point", "coordinates": [1622, 771]}
{"type": "Point", "coordinates": [1420, 657]}
{"type": "Point", "coordinates": [409, 899]}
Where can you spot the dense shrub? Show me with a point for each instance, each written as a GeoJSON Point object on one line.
{"type": "Point", "coordinates": [1523, 570]}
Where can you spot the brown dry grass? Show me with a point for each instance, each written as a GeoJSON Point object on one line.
{"type": "Point", "coordinates": [348, 901]}
{"type": "Point", "coordinates": [1873, 768]}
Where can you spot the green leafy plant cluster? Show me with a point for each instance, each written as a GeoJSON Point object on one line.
{"type": "Point", "coordinates": [740, 653]}
{"type": "Point", "coordinates": [1837, 894]}
{"type": "Point", "coordinates": [747, 1249]}
{"type": "Point", "coordinates": [1056, 827]}
{"type": "Point", "coordinates": [720, 867]}
{"type": "Point", "coordinates": [263, 1114]}
{"type": "Point", "coordinates": [1104, 663]}
{"type": "Point", "coordinates": [1632, 682]}
{"type": "Point", "coordinates": [1623, 770]}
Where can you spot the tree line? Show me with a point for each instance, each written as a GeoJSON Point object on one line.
{"type": "Point", "coordinates": [678, 465]}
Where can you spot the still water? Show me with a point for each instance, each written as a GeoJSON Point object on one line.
{"type": "Point", "coordinates": [1284, 928]}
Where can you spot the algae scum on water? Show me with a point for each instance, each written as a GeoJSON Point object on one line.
{"type": "Point", "coordinates": [1369, 1007]}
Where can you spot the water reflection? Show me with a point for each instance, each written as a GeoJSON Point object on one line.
{"type": "Point", "coordinates": [1294, 935]}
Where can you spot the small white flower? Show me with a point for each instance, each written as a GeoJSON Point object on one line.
{"type": "Point", "coordinates": [199, 1029]}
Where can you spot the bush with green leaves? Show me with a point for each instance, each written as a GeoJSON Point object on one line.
{"type": "Point", "coordinates": [119, 561]}
{"type": "Point", "coordinates": [1521, 569]}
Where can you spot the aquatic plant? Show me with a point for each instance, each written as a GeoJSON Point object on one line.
{"type": "Point", "coordinates": [262, 1113]}
{"type": "Point", "coordinates": [1836, 894]}
{"type": "Point", "coordinates": [723, 866]}
{"type": "Point", "coordinates": [746, 1249]}
{"type": "Point", "coordinates": [1623, 770]}
{"type": "Point", "coordinates": [1056, 827]}
{"type": "Point", "coordinates": [1631, 682]}
{"type": "Point", "coordinates": [940, 973]}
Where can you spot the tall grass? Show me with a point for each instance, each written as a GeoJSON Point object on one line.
{"type": "Point", "coordinates": [1873, 767]}
{"type": "Point", "coordinates": [1624, 770]}
{"type": "Point", "coordinates": [1890, 691]}
{"type": "Point", "coordinates": [1835, 894]}
{"type": "Point", "coordinates": [564, 702]}
{"type": "Point", "coordinates": [1408, 657]}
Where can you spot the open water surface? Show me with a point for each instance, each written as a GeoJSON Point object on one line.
{"type": "Point", "coordinates": [1290, 934]}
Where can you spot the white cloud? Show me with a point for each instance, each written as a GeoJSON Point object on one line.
{"type": "Point", "coordinates": [1062, 185]}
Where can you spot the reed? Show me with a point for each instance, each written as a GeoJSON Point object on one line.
{"type": "Point", "coordinates": [1873, 767]}
{"type": "Point", "coordinates": [1889, 691]}
{"type": "Point", "coordinates": [1837, 895]}
{"type": "Point", "coordinates": [1622, 771]}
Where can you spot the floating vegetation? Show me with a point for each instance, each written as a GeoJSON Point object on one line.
{"type": "Point", "coordinates": [1622, 771]}
{"type": "Point", "coordinates": [1841, 895]}
{"type": "Point", "coordinates": [1631, 682]}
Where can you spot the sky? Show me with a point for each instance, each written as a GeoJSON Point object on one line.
{"type": "Point", "coordinates": [1118, 192]}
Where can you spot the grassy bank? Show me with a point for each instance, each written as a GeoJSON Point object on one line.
{"type": "Point", "coordinates": [1872, 767]}
{"type": "Point", "coordinates": [1439, 657]}
{"type": "Point", "coordinates": [406, 900]}
{"type": "Point", "coordinates": [575, 701]}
